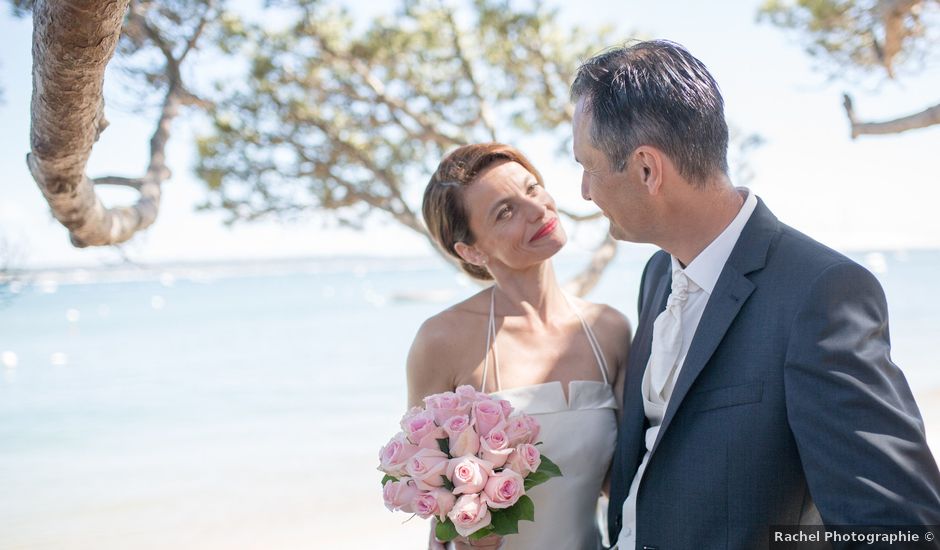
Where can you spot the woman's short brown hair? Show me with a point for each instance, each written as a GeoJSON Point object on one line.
{"type": "Point", "coordinates": [445, 212]}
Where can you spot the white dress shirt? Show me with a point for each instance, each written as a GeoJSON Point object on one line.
{"type": "Point", "coordinates": [703, 273]}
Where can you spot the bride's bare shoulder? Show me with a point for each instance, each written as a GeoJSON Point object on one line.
{"type": "Point", "coordinates": [611, 327]}
{"type": "Point", "coordinates": [456, 324]}
{"type": "Point", "coordinates": [613, 332]}
{"type": "Point", "coordinates": [444, 346]}
{"type": "Point", "coordinates": [604, 317]}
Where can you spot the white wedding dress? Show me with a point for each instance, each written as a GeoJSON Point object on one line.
{"type": "Point", "coordinates": [578, 435]}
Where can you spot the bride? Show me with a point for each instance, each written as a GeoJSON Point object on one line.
{"type": "Point", "coordinates": [553, 356]}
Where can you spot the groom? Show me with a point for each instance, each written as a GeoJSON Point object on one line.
{"type": "Point", "coordinates": [760, 389]}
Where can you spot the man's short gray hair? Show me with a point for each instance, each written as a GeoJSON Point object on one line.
{"type": "Point", "coordinates": [655, 93]}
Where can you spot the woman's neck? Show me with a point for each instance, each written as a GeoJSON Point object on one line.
{"type": "Point", "coordinates": [532, 293]}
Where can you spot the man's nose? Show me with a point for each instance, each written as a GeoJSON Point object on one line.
{"type": "Point", "coordinates": [585, 188]}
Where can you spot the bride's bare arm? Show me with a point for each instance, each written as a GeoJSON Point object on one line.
{"type": "Point", "coordinates": [426, 376]}
{"type": "Point", "coordinates": [429, 367]}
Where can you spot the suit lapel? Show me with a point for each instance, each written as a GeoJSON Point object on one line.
{"type": "Point", "coordinates": [730, 293]}
{"type": "Point", "coordinates": [633, 418]}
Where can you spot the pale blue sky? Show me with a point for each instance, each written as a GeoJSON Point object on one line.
{"type": "Point", "coordinates": [871, 193]}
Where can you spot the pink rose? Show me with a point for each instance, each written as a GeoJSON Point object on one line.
{"type": "Point", "coordinates": [429, 440]}
{"type": "Point", "coordinates": [456, 424]}
{"type": "Point", "coordinates": [469, 514]}
{"type": "Point", "coordinates": [534, 429]}
{"type": "Point", "coordinates": [468, 395]}
{"type": "Point", "coordinates": [422, 431]}
{"type": "Point", "coordinates": [434, 503]}
{"type": "Point", "coordinates": [518, 430]}
{"type": "Point", "coordinates": [495, 447]}
{"type": "Point", "coordinates": [399, 495]}
{"type": "Point", "coordinates": [412, 412]}
{"type": "Point", "coordinates": [487, 415]}
{"type": "Point", "coordinates": [506, 407]}
{"type": "Point", "coordinates": [468, 474]}
{"type": "Point", "coordinates": [445, 405]}
{"type": "Point", "coordinates": [462, 437]}
{"type": "Point", "coordinates": [503, 489]}
{"type": "Point", "coordinates": [426, 468]}
{"type": "Point", "coordinates": [394, 455]}
{"type": "Point", "coordinates": [525, 459]}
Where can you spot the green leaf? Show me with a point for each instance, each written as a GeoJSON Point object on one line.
{"type": "Point", "coordinates": [505, 522]}
{"type": "Point", "coordinates": [485, 532]}
{"type": "Point", "coordinates": [444, 444]}
{"type": "Point", "coordinates": [547, 470]}
{"type": "Point", "coordinates": [535, 478]}
{"type": "Point", "coordinates": [548, 467]}
{"type": "Point", "coordinates": [445, 531]}
{"type": "Point", "coordinates": [388, 478]}
{"type": "Point", "coordinates": [526, 508]}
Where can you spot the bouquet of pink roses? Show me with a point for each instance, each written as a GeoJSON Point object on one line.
{"type": "Point", "coordinates": [466, 459]}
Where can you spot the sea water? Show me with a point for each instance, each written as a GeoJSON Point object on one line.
{"type": "Point", "coordinates": [242, 407]}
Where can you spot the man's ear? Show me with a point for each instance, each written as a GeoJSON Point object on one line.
{"type": "Point", "coordinates": [470, 254]}
{"type": "Point", "coordinates": [649, 163]}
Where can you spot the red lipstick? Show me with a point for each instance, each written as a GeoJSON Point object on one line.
{"type": "Point", "coordinates": [544, 230]}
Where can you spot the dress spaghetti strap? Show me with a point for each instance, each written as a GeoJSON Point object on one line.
{"type": "Point", "coordinates": [595, 346]}
{"type": "Point", "coordinates": [491, 340]}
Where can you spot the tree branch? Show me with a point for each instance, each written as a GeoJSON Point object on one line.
{"type": "Point", "coordinates": [893, 13]}
{"type": "Point", "coordinates": [191, 100]}
{"type": "Point", "coordinates": [133, 183]}
{"type": "Point", "coordinates": [536, 50]}
{"type": "Point", "coordinates": [923, 119]}
{"type": "Point", "coordinates": [203, 20]}
{"type": "Point", "coordinates": [353, 192]}
{"type": "Point", "coordinates": [378, 88]}
{"type": "Point", "coordinates": [172, 64]}
{"type": "Point", "coordinates": [73, 42]}
{"type": "Point", "coordinates": [176, 95]}
{"type": "Point", "coordinates": [486, 113]}
{"type": "Point", "coordinates": [382, 174]}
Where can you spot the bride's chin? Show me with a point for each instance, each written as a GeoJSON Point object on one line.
{"type": "Point", "coordinates": [560, 241]}
{"type": "Point", "coordinates": [549, 252]}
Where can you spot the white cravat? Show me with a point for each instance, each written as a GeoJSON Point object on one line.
{"type": "Point", "coordinates": [667, 342]}
{"type": "Point", "coordinates": [673, 331]}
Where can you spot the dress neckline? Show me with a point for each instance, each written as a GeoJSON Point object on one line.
{"type": "Point", "coordinates": [491, 343]}
{"type": "Point", "coordinates": [549, 397]}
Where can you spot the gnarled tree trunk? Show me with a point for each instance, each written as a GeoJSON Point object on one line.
{"type": "Point", "coordinates": [73, 41]}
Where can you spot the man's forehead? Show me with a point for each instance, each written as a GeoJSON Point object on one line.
{"type": "Point", "coordinates": [581, 120]}
{"type": "Point", "coordinates": [582, 109]}
{"type": "Point", "coordinates": [580, 143]}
